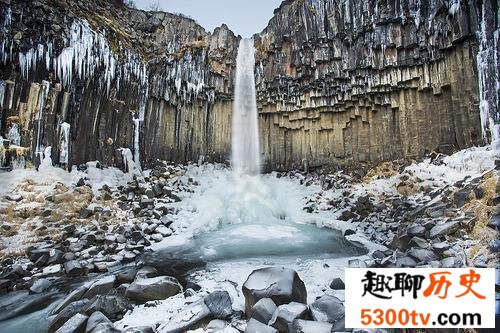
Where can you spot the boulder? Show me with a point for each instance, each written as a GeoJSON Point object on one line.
{"type": "Point", "coordinates": [75, 295]}
{"type": "Point", "coordinates": [187, 318]}
{"type": "Point", "coordinates": [282, 285]}
{"type": "Point", "coordinates": [40, 285]}
{"type": "Point", "coordinates": [327, 309]}
{"type": "Point", "coordinates": [255, 326]}
{"type": "Point", "coordinates": [75, 324]}
{"type": "Point", "coordinates": [263, 310]}
{"type": "Point", "coordinates": [337, 284]}
{"type": "Point", "coordinates": [285, 314]}
{"type": "Point", "coordinates": [219, 303]}
{"type": "Point", "coordinates": [112, 307]}
{"type": "Point", "coordinates": [95, 319]}
{"type": "Point", "coordinates": [422, 255]}
{"type": "Point", "coordinates": [65, 314]}
{"type": "Point", "coordinates": [73, 268]}
{"type": "Point", "coordinates": [100, 287]}
{"type": "Point", "coordinates": [149, 289]}
{"type": "Point", "coordinates": [443, 229]}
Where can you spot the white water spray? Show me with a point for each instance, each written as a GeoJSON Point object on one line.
{"type": "Point", "coordinates": [245, 137]}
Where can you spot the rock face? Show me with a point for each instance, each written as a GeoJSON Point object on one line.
{"type": "Point", "coordinates": [338, 82]}
{"type": "Point", "coordinates": [365, 81]}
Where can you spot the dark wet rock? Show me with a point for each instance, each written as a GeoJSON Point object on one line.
{"type": "Point", "coordinates": [263, 310]}
{"type": "Point", "coordinates": [419, 242]}
{"type": "Point", "coordinates": [281, 284]}
{"type": "Point", "coordinates": [112, 307]}
{"type": "Point", "coordinates": [443, 229]}
{"type": "Point", "coordinates": [95, 319]}
{"type": "Point", "coordinates": [308, 326]}
{"type": "Point", "coordinates": [422, 255]}
{"type": "Point", "coordinates": [441, 246]}
{"type": "Point", "coordinates": [65, 314]}
{"type": "Point", "coordinates": [337, 284]}
{"type": "Point", "coordinates": [40, 285]}
{"type": "Point", "coordinates": [220, 304]}
{"type": "Point", "coordinates": [255, 326]}
{"type": "Point", "coordinates": [75, 295]}
{"type": "Point", "coordinates": [75, 324]}
{"type": "Point", "coordinates": [285, 314]}
{"type": "Point", "coordinates": [127, 275]}
{"type": "Point", "coordinates": [416, 230]}
{"type": "Point", "coordinates": [73, 268]}
{"type": "Point", "coordinates": [461, 197]}
{"type": "Point", "coordinates": [327, 309]}
{"type": "Point", "coordinates": [406, 261]}
{"type": "Point", "coordinates": [100, 287]}
{"type": "Point", "coordinates": [150, 289]}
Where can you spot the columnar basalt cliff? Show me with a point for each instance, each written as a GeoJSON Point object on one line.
{"type": "Point", "coordinates": [365, 81]}
{"type": "Point", "coordinates": [122, 84]}
{"type": "Point", "coordinates": [338, 82]}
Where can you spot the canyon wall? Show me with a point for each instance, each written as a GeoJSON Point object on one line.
{"type": "Point", "coordinates": [338, 82]}
{"type": "Point", "coordinates": [96, 80]}
{"type": "Point", "coordinates": [345, 81]}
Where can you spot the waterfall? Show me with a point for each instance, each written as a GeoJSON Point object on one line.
{"type": "Point", "coordinates": [245, 136]}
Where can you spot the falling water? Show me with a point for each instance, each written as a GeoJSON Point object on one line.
{"type": "Point", "coordinates": [245, 138]}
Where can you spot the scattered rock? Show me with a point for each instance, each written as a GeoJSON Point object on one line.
{"type": "Point", "coordinates": [149, 289]}
{"type": "Point", "coordinates": [219, 303]}
{"type": "Point", "coordinates": [75, 324]}
{"type": "Point", "coordinates": [263, 310]}
{"type": "Point", "coordinates": [281, 284]}
{"type": "Point", "coordinates": [285, 314]}
{"type": "Point", "coordinates": [327, 309]}
{"type": "Point", "coordinates": [337, 284]}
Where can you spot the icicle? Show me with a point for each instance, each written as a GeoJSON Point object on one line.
{"type": "Point", "coordinates": [64, 143]}
{"type": "Point", "coordinates": [137, 154]}
{"type": "Point", "coordinates": [44, 92]}
{"type": "Point", "coordinates": [14, 136]}
{"type": "Point", "coordinates": [128, 160]}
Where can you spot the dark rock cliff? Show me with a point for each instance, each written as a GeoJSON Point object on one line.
{"type": "Point", "coordinates": [344, 81]}
{"type": "Point", "coordinates": [154, 83]}
{"type": "Point", "coordinates": [339, 81]}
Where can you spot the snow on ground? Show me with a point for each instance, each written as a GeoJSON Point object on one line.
{"type": "Point", "coordinates": [467, 163]}
{"type": "Point", "coordinates": [48, 175]}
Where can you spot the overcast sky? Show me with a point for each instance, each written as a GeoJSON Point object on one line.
{"type": "Point", "coordinates": [244, 17]}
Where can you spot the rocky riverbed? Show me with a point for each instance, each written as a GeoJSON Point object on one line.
{"type": "Point", "coordinates": [92, 250]}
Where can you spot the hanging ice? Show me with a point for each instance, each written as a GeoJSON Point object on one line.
{"type": "Point", "coordinates": [14, 136]}
{"type": "Point", "coordinates": [64, 143]}
{"type": "Point", "coordinates": [245, 137]}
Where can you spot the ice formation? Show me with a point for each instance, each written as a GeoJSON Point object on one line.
{"type": "Point", "coordinates": [64, 142]}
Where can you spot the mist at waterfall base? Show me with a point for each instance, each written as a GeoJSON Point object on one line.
{"type": "Point", "coordinates": [239, 213]}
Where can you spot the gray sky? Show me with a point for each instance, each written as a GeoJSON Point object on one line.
{"type": "Point", "coordinates": [244, 17]}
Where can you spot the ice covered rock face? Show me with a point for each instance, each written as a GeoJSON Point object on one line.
{"type": "Point", "coordinates": [337, 82]}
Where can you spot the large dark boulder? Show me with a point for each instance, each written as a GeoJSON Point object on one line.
{"type": "Point", "coordinates": [149, 289]}
{"type": "Point", "coordinates": [282, 285]}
